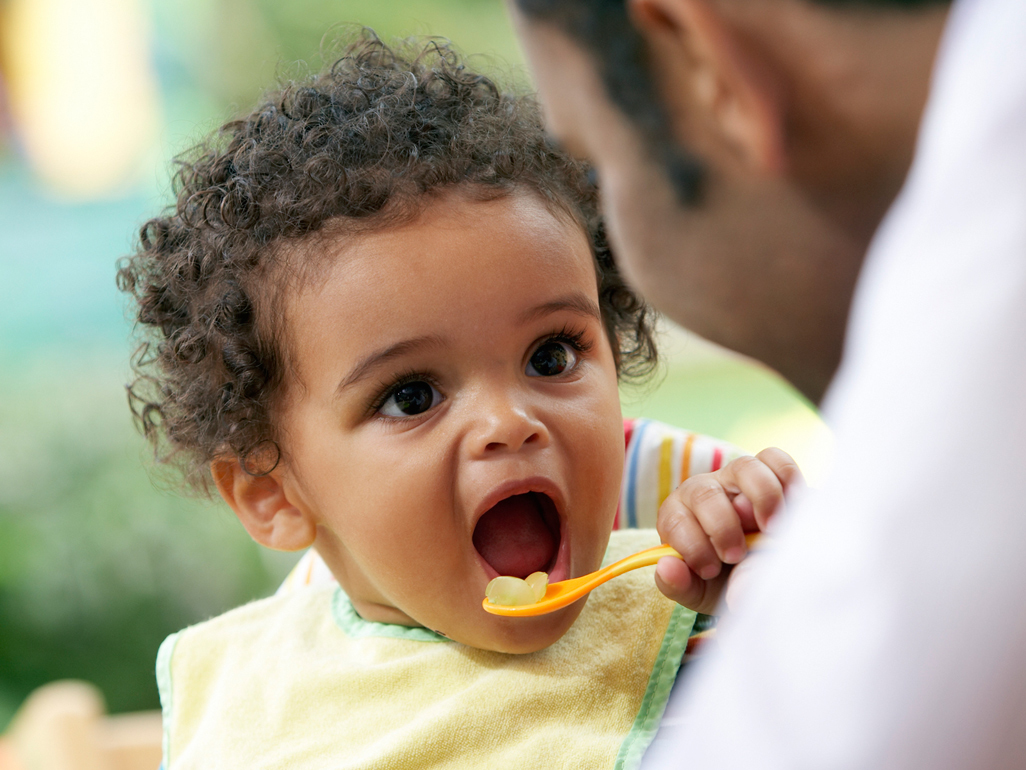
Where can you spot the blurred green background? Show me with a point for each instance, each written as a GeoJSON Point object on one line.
{"type": "Point", "coordinates": [98, 562]}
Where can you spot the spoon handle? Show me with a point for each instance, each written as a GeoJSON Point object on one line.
{"type": "Point", "coordinates": [645, 558]}
{"type": "Point", "coordinates": [651, 556]}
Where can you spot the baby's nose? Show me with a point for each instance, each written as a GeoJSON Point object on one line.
{"type": "Point", "coordinates": [505, 424]}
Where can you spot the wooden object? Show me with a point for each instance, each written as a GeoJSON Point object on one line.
{"type": "Point", "coordinates": [64, 726]}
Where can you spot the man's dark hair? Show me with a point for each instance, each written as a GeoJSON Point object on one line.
{"type": "Point", "coordinates": [603, 28]}
{"type": "Point", "coordinates": [361, 146]}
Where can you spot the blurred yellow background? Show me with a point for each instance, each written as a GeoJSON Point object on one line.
{"type": "Point", "coordinates": [97, 564]}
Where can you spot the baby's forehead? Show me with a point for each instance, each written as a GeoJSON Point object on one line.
{"type": "Point", "coordinates": [430, 224]}
{"type": "Point", "coordinates": [459, 264]}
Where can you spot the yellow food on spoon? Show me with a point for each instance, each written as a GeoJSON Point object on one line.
{"type": "Point", "coordinates": [538, 581]}
{"type": "Point", "coordinates": [513, 592]}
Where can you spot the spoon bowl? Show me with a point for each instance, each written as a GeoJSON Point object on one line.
{"type": "Point", "coordinates": [559, 595]}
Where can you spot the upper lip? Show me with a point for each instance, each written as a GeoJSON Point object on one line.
{"type": "Point", "coordinates": [513, 487]}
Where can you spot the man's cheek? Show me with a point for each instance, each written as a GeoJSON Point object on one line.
{"type": "Point", "coordinates": [625, 239]}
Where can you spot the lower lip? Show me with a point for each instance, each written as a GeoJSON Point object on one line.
{"type": "Point", "coordinates": [561, 569]}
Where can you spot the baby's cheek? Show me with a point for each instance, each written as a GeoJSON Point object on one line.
{"type": "Point", "coordinates": [604, 450]}
{"type": "Point", "coordinates": [597, 468]}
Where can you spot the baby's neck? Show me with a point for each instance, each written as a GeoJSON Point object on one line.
{"type": "Point", "coordinates": [381, 613]}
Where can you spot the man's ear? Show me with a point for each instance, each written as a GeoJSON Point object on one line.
{"type": "Point", "coordinates": [714, 81]}
{"type": "Point", "coordinates": [263, 507]}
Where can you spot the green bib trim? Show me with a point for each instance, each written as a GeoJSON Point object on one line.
{"type": "Point", "coordinates": [355, 627]}
{"type": "Point", "coordinates": [164, 654]}
{"type": "Point", "coordinates": [374, 689]}
{"type": "Point", "coordinates": [664, 674]}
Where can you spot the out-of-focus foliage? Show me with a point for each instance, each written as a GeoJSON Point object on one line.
{"type": "Point", "coordinates": [215, 55]}
{"type": "Point", "coordinates": [96, 566]}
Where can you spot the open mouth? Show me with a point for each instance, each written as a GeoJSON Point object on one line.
{"type": "Point", "coordinates": [519, 535]}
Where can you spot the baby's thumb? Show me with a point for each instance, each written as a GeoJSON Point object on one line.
{"type": "Point", "coordinates": [677, 582]}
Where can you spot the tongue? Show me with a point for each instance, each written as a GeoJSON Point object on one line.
{"type": "Point", "coordinates": [513, 537]}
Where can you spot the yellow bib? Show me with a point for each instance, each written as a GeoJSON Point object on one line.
{"type": "Point", "coordinates": [300, 681]}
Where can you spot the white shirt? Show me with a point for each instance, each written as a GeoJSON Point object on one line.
{"type": "Point", "coordinates": [888, 628]}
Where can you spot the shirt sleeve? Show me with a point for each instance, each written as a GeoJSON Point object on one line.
{"type": "Point", "coordinates": [850, 651]}
{"type": "Point", "coordinates": [659, 457]}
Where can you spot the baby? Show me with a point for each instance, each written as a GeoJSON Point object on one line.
{"type": "Point", "coordinates": [383, 321]}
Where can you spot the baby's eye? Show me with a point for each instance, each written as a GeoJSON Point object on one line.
{"type": "Point", "coordinates": [551, 358]}
{"type": "Point", "coordinates": [409, 399]}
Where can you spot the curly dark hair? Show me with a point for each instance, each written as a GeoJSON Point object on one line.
{"type": "Point", "coordinates": [363, 143]}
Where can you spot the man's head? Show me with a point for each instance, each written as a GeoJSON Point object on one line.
{"type": "Point", "coordinates": [747, 150]}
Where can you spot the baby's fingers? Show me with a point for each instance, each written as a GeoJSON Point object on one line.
{"type": "Point", "coordinates": [762, 481]}
{"type": "Point", "coordinates": [783, 466]}
{"type": "Point", "coordinates": [679, 528]}
{"type": "Point", "coordinates": [702, 512]}
{"type": "Point", "coordinates": [715, 512]}
{"type": "Point", "coordinates": [678, 582]}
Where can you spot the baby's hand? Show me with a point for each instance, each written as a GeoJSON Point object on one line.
{"type": "Point", "coordinates": [705, 520]}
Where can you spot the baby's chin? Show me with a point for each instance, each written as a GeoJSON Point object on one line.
{"type": "Point", "coordinates": [516, 636]}
{"type": "Point", "coordinates": [466, 622]}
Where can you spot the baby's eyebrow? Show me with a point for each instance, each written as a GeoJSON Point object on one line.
{"type": "Point", "coordinates": [576, 303]}
{"type": "Point", "coordinates": [375, 359]}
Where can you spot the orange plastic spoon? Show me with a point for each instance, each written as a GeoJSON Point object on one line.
{"type": "Point", "coordinates": [559, 595]}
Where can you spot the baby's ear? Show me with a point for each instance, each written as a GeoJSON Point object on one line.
{"type": "Point", "coordinates": [263, 507]}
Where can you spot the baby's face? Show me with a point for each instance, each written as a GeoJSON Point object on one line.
{"type": "Point", "coordinates": [456, 416]}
